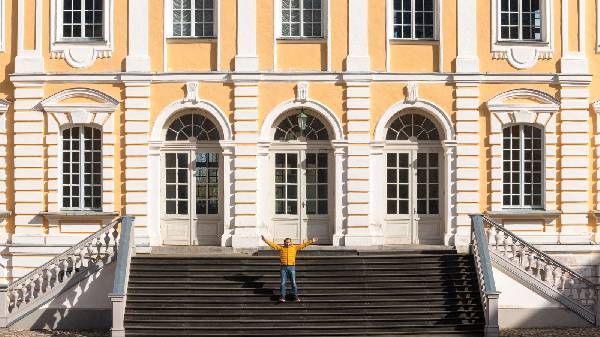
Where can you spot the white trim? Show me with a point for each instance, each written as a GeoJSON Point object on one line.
{"type": "Point", "coordinates": [81, 53]}
{"type": "Point", "coordinates": [105, 103]}
{"type": "Point", "coordinates": [246, 58]}
{"type": "Point", "coordinates": [541, 112]}
{"type": "Point", "coordinates": [358, 36]}
{"type": "Point", "coordinates": [525, 54]}
{"type": "Point", "coordinates": [439, 116]}
{"type": "Point", "coordinates": [266, 131]}
{"type": "Point", "coordinates": [582, 30]}
{"type": "Point", "coordinates": [597, 26]}
{"type": "Point", "coordinates": [137, 57]}
{"type": "Point", "coordinates": [157, 134]}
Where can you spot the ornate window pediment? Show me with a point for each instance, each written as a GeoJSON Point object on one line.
{"type": "Point", "coordinates": [80, 105]}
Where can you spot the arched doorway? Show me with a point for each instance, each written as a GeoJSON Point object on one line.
{"type": "Point", "coordinates": [192, 180]}
{"type": "Point", "coordinates": [414, 193]}
{"type": "Point", "coordinates": [301, 182]}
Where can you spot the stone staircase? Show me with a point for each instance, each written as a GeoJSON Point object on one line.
{"type": "Point", "coordinates": [344, 293]}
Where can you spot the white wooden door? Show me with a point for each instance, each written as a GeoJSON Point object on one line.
{"type": "Point", "coordinates": [192, 191]}
{"type": "Point", "coordinates": [302, 195]}
{"type": "Point", "coordinates": [412, 197]}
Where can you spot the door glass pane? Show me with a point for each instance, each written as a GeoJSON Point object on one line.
{"type": "Point", "coordinates": [397, 183]}
{"type": "Point", "coordinates": [207, 183]}
{"type": "Point", "coordinates": [176, 183]}
{"type": "Point", "coordinates": [316, 189]}
{"type": "Point", "coordinates": [427, 183]}
{"type": "Point", "coordinates": [286, 183]}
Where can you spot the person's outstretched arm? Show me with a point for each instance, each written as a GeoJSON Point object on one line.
{"type": "Point", "coordinates": [270, 243]}
{"type": "Point", "coordinates": [308, 243]}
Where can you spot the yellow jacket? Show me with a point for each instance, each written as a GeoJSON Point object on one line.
{"type": "Point", "coordinates": [287, 255]}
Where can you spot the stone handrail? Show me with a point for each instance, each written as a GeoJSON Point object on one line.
{"type": "Point", "coordinates": [118, 297]}
{"type": "Point", "coordinates": [541, 272]}
{"type": "Point", "coordinates": [485, 276]}
{"type": "Point", "coordinates": [60, 273]}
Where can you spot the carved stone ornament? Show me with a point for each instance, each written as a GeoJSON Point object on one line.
{"type": "Point", "coordinates": [523, 57]}
{"type": "Point", "coordinates": [191, 92]}
{"type": "Point", "coordinates": [80, 57]}
{"type": "Point", "coordinates": [302, 91]}
{"type": "Point", "coordinates": [412, 93]}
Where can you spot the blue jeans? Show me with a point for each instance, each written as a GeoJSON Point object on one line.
{"type": "Point", "coordinates": [288, 271]}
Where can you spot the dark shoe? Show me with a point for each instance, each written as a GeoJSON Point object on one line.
{"type": "Point", "coordinates": [281, 300]}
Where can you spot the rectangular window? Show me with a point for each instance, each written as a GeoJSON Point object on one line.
{"type": "Point", "coordinates": [82, 19]}
{"type": "Point", "coordinates": [207, 183]}
{"type": "Point", "coordinates": [520, 20]}
{"type": "Point", "coordinates": [82, 168]}
{"type": "Point", "coordinates": [414, 19]}
{"type": "Point", "coordinates": [193, 18]}
{"type": "Point", "coordinates": [301, 18]}
{"type": "Point", "coordinates": [522, 166]}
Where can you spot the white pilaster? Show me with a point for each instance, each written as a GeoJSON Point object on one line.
{"type": "Point", "coordinates": [246, 58]}
{"type": "Point", "coordinates": [340, 153]}
{"type": "Point", "coordinates": [358, 101]}
{"type": "Point", "coordinates": [574, 171]}
{"type": "Point", "coordinates": [138, 58]}
{"type": "Point", "coordinates": [358, 36]}
{"type": "Point", "coordinates": [468, 142]}
{"type": "Point", "coordinates": [29, 61]}
{"type": "Point", "coordinates": [247, 223]}
{"type": "Point", "coordinates": [29, 157]}
{"type": "Point", "coordinates": [467, 60]}
{"type": "Point", "coordinates": [137, 199]}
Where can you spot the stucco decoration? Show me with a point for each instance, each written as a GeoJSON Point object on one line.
{"type": "Point", "coordinates": [191, 92]}
{"type": "Point", "coordinates": [523, 54]}
{"type": "Point", "coordinates": [79, 106]}
{"type": "Point", "coordinates": [81, 52]}
{"type": "Point", "coordinates": [412, 92]}
{"type": "Point", "coordinates": [302, 91]}
{"type": "Point", "coordinates": [333, 123]}
{"type": "Point", "coordinates": [523, 57]}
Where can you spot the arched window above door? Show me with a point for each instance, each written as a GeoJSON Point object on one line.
{"type": "Point", "coordinates": [192, 125]}
{"type": "Point", "coordinates": [412, 125]}
{"type": "Point", "coordinates": [300, 126]}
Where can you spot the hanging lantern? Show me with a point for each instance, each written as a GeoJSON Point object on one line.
{"type": "Point", "coordinates": [302, 118]}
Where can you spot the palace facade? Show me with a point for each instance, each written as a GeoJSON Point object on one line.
{"type": "Point", "coordinates": [358, 122]}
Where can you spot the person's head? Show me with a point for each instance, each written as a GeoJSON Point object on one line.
{"type": "Point", "coordinates": [287, 242]}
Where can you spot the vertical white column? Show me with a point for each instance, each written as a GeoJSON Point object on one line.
{"type": "Point", "coordinates": [138, 58]}
{"type": "Point", "coordinates": [468, 145]}
{"type": "Point", "coordinates": [597, 171]}
{"type": "Point", "coordinates": [137, 115]}
{"type": "Point", "coordinates": [358, 103]}
{"type": "Point", "coordinates": [246, 58]}
{"type": "Point", "coordinates": [246, 233]}
{"type": "Point", "coordinates": [340, 192]}
{"type": "Point", "coordinates": [29, 156]}
{"type": "Point", "coordinates": [467, 60]}
{"type": "Point", "coordinates": [3, 176]}
{"type": "Point", "coordinates": [358, 36]}
{"type": "Point", "coordinates": [574, 162]}
{"type": "Point", "coordinates": [228, 193]}
{"type": "Point", "coordinates": [450, 193]}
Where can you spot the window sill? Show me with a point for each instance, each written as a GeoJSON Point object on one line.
{"type": "Point", "coordinates": [301, 40]}
{"type": "Point", "coordinates": [525, 43]}
{"type": "Point", "coordinates": [191, 39]}
{"type": "Point", "coordinates": [524, 214]}
{"type": "Point", "coordinates": [79, 215]}
{"type": "Point", "coordinates": [415, 41]}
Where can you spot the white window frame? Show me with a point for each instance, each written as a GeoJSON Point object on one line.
{"type": "Point", "coordinates": [522, 172]}
{"type": "Point", "coordinates": [82, 163]}
{"type": "Point", "coordinates": [523, 54]}
{"type": "Point", "coordinates": [169, 21]}
{"type": "Point", "coordinates": [436, 22]}
{"type": "Point", "coordinates": [324, 23]}
{"type": "Point", "coordinates": [81, 52]}
{"type": "Point", "coordinates": [82, 10]}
